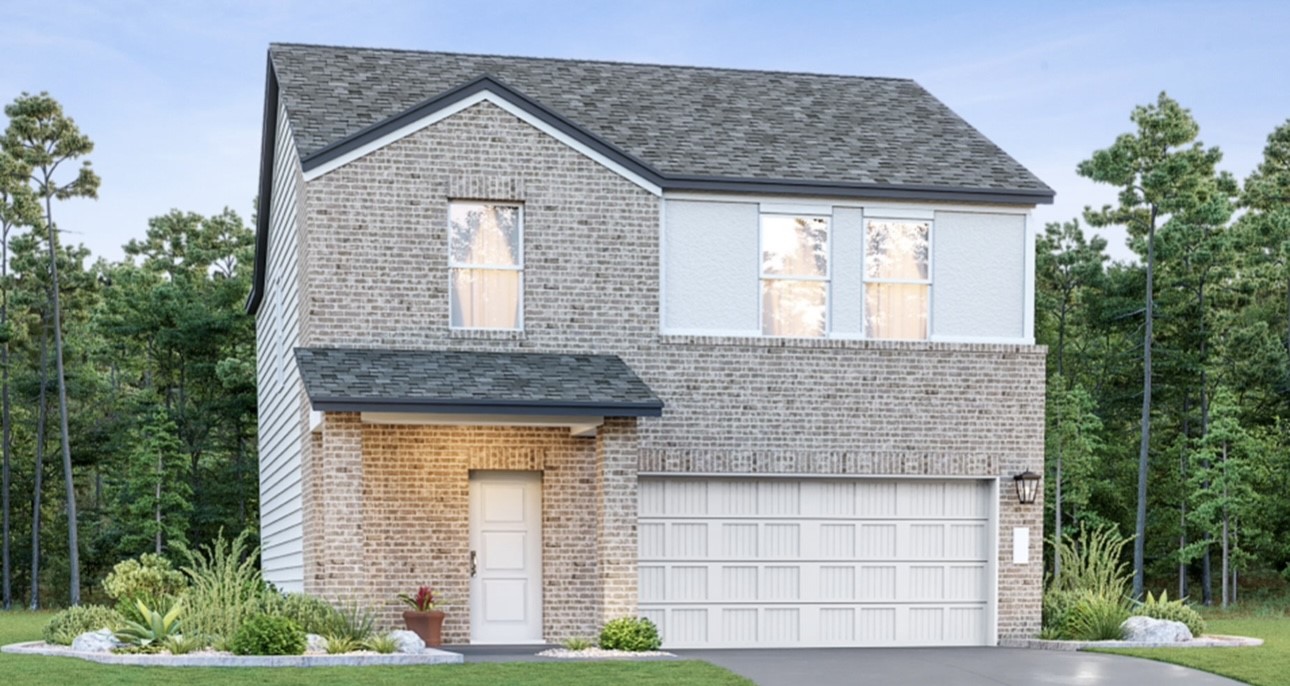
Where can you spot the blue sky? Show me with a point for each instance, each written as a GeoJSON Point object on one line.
{"type": "Point", "coordinates": [172, 92]}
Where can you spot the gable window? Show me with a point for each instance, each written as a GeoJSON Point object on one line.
{"type": "Point", "coordinates": [897, 276]}
{"type": "Point", "coordinates": [486, 265]}
{"type": "Point", "coordinates": [794, 275]}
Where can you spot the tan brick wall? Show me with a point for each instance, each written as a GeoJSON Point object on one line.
{"type": "Point", "coordinates": [377, 276]}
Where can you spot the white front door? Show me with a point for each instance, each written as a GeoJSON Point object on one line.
{"type": "Point", "coordinates": [506, 557]}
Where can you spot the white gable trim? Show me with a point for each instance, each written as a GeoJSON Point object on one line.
{"type": "Point", "coordinates": [463, 104]}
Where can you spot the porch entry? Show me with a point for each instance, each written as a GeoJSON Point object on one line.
{"type": "Point", "coordinates": [505, 557]}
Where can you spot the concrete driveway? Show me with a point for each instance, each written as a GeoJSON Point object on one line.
{"type": "Point", "coordinates": [949, 667]}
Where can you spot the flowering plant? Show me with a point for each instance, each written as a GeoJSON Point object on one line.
{"type": "Point", "coordinates": [424, 601]}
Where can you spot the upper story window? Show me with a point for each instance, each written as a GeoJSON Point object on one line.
{"type": "Point", "coordinates": [486, 265]}
{"type": "Point", "coordinates": [897, 275]}
{"type": "Point", "coordinates": [794, 275]}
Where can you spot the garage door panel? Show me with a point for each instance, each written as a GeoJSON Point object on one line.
{"type": "Point", "coordinates": [781, 563]}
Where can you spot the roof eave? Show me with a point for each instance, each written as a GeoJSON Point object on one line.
{"type": "Point", "coordinates": [268, 144]}
{"type": "Point", "coordinates": [510, 408]}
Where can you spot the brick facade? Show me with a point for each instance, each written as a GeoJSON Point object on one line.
{"type": "Point", "coordinates": [375, 275]}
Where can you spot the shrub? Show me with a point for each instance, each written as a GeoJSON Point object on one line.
{"type": "Point", "coordinates": [225, 588]}
{"type": "Point", "coordinates": [381, 643]}
{"type": "Point", "coordinates": [1174, 610]}
{"type": "Point", "coordinates": [352, 621]}
{"type": "Point", "coordinates": [150, 579]}
{"type": "Point", "coordinates": [1057, 607]}
{"type": "Point", "coordinates": [337, 645]}
{"type": "Point", "coordinates": [182, 645]}
{"type": "Point", "coordinates": [633, 634]}
{"type": "Point", "coordinates": [1094, 563]}
{"type": "Point", "coordinates": [577, 643]}
{"type": "Point", "coordinates": [269, 635]}
{"type": "Point", "coordinates": [1095, 618]}
{"type": "Point", "coordinates": [64, 627]}
{"type": "Point", "coordinates": [154, 630]}
{"type": "Point", "coordinates": [314, 615]}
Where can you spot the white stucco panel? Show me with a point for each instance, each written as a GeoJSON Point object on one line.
{"type": "Point", "coordinates": [979, 277]}
{"type": "Point", "coordinates": [710, 267]}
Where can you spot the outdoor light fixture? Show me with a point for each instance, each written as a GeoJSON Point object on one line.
{"type": "Point", "coordinates": [1027, 487]}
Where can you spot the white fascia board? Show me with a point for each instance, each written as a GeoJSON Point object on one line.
{"type": "Point", "coordinates": [577, 426]}
{"type": "Point", "coordinates": [466, 103]}
{"type": "Point", "coordinates": [824, 204]}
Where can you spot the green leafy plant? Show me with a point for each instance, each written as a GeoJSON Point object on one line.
{"type": "Point", "coordinates": [1093, 563]}
{"type": "Point", "coordinates": [66, 625]}
{"type": "Point", "coordinates": [313, 614]}
{"type": "Point", "coordinates": [1057, 607]}
{"type": "Point", "coordinates": [337, 645]}
{"type": "Point", "coordinates": [155, 628]}
{"type": "Point", "coordinates": [182, 645]}
{"type": "Point", "coordinates": [353, 621]}
{"type": "Point", "coordinates": [150, 579]}
{"type": "Point", "coordinates": [632, 634]}
{"type": "Point", "coordinates": [577, 643]}
{"type": "Point", "coordinates": [380, 643]}
{"type": "Point", "coordinates": [424, 601]}
{"type": "Point", "coordinates": [225, 588]}
{"type": "Point", "coordinates": [269, 635]}
{"type": "Point", "coordinates": [1095, 617]}
{"type": "Point", "coordinates": [1174, 610]}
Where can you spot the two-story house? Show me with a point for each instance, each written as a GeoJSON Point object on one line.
{"type": "Point", "coordinates": [748, 353]}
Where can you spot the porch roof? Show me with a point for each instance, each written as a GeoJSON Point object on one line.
{"type": "Point", "coordinates": [455, 382]}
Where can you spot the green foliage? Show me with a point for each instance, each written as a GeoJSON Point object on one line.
{"type": "Point", "coordinates": [150, 579]}
{"type": "Point", "coordinates": [1174, 610]}
{"type": "Point", "coordinates": [154, 630]}
{"type": "Point", "coordinates": [1057, 608]}
{"type": "Point", "coordinates": [64, 627]}
{"type": "Point", "coordinates": [337, 645]}
{"type": "Point", "coordinates": [380, 643]}
{"type": "Point", "coordinates": [269, 635]}
{"type": "Point", "coordinates": [314, 615]}
{"type": "Point", "coordinates": [182, 645]}
{"type": "Point", "coordinates": [1095, 617]}
{"type": "Point", "coordinates": [353, 621]}
{"type": "Point", "coordinates": [577, 643]}
{"type": "Point", "coordinates": [1093, 563]}
{"type": "Point", "coordinates": [152, 487]}
{"type": "Point", "coordinates": [633, 634]}
{"type": "Point", "coordinates": [225, 587]}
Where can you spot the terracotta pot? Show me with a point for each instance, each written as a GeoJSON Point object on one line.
{"type": "Point", "coordinates": [427, 625]}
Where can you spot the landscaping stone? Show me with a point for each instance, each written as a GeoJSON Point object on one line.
{"type": "Point", "coordinates": [408, 641]}
{"type": "Point", "coordinates": [101, 641]}
{"type": "Point", "coordinates": [428, 656]}
{"type": "Point", "coordinates": [1148, 630]}
{"type": "Point", "coordinates": [601, 654]}
{"type": "Point", "coordinates": [315, 643]}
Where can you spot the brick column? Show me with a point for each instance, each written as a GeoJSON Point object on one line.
{"type": "Point", "coordinates": [617, 451]}
{"type": "Point", "coordinates": [339, 475]}
{"type": "Point", "coordinates": [1021, 586]}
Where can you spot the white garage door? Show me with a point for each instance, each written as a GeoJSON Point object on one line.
{"type": "Point", "coordinates": [741, 562]}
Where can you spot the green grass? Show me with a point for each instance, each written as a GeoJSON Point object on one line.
{"type": "Point", "coordinates": [37, 669]}
{"type": "Point", "coordinates": [1266, 665]}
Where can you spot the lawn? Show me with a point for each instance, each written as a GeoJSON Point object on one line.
{"type": "Point", "coordinates": [1267, 665]}
{"type": "Point", "coordinates": [36, 669]}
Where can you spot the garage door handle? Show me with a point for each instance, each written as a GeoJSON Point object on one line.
{"type": "Point", "coordinates": [472, 564]}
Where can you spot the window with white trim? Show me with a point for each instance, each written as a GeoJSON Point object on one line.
{"type": "Point", "coordinates": [794, 275]}
{"type": "Point", "coordinates": [485, 265]}
{"type": "Point", "coordinates": [897, 278]}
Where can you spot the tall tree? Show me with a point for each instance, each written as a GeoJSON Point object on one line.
{"type": "Point", "coordinates": [1067, 263]}
{"type": "Point", "coordinates": [45, 138]}
{"type": "Point", "coordinates": [18, 207]}
{"type": "Point", "coordinates": [1158, 170]}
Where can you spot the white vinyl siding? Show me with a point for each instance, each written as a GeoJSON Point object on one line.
{"type": "Point", "coordinates": [711, 267]}
{"type": "Point", "coordinates": [760, 562]}
{"type": "Point", "coordinates": [281, 430]}
{"type": "Point", "coordinates": [979, 263]}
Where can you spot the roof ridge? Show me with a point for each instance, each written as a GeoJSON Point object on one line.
{"type": "Point", "coordinates": [576, 60]}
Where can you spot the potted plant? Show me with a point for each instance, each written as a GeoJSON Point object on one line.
{"type": "Point", "coordinates": [425, 619]}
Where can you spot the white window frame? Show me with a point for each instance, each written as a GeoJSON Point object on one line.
{"type": "Point", "coordinates": [816, 213]}
{"type": "Point", "coordinates": [864, 270]}
{"type": "Point", "coordinates": [453, 265]}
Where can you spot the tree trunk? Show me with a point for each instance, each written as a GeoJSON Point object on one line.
{"type": "Point", "coordinates": [157, 504]}
{"type": "Point", "coordinates": [1182, 503]}
{"type": "Point", "coordinates": [1226, 557]}
{"type": "Point", "coordinates": [41, 417]}
{"type": "Point", "coordinates": [6, 442]}
{"type": "Point", "coordinates": [1140, 529]}
{"type": "Point", "coordinates": [1057, 475]}
{"type": "Point", "coordinates": [73, 546]}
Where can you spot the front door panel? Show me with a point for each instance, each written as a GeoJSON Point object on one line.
{"type": "Point", "coordinates": [506, 541]}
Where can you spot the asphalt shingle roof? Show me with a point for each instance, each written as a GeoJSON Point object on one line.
{"type": "Point", "coordinates": [355, 379]}
{"type": "Point", "coordinates": [680, 121]}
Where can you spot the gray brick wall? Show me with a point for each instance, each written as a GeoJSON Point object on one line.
{"type": "Point", "coordinates": [376, 275]}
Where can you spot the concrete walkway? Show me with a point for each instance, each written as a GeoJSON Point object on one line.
{"type": "Point", "coordinates": [948, 667]}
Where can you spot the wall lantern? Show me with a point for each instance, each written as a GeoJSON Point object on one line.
{"type": "Point", "coordinates": [1027, 487]}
